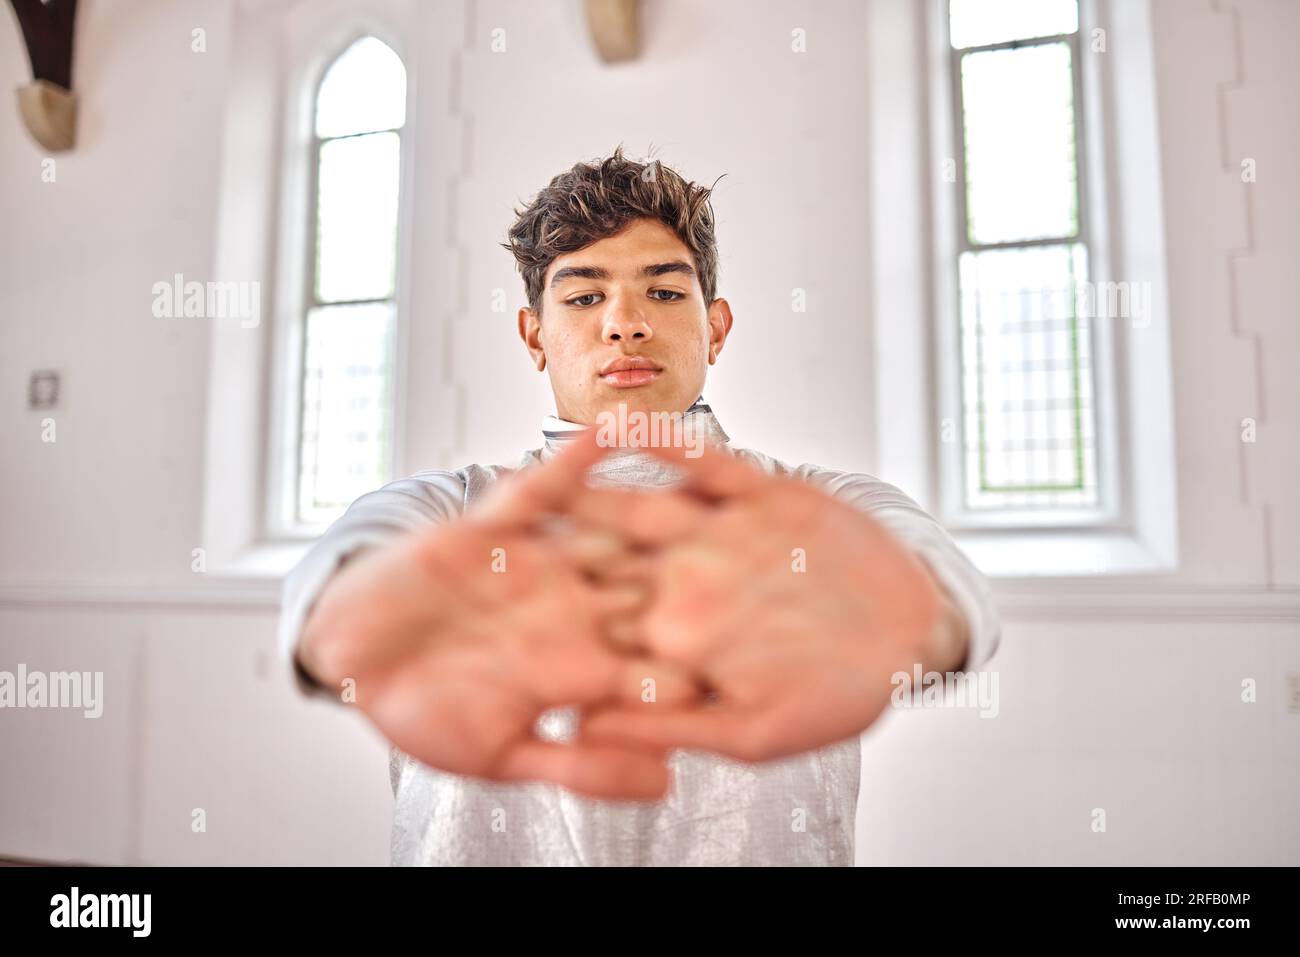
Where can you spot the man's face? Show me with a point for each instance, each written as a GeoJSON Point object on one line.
{"type": "Point", "coordinates": [633, 296]}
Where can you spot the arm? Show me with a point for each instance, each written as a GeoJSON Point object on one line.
{"type": "Point", "coordinates": [372, 520]}
{"type": "Point", "coordinates": [972, 628]}
{"type": "Point", "coordinates": [950, 649]}
{"type": "Point", "coordinates": [454, 657]}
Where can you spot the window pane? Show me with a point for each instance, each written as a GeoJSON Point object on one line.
{"type": "Point", "coordinates": [356, 227]}
{"type": "Point", "coordinates": [973, 23]}
{"type": "Point", "coordinates": [1030, 432]}
{"type": "Point", "coordinates": [1018, 118]}
{"type": "Point", "coordinates": [345, 407]}
{"type": "Point", "coordinates": [364, 90]}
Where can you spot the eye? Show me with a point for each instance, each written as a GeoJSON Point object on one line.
{"type": "Point", "coordinates": [671, 292]}
{"type": "Point", "coordinates": [578, 300]}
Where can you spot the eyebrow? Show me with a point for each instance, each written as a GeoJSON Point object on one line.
{"type": "Point", "coordinates": [599, 272]}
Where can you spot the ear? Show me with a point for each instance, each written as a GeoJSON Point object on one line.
{"type": "Point", "coordinates": [530, 330]}
{"type": "Point", "coordinates": [719, 327]}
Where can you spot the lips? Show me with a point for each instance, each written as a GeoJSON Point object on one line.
{"type": "Point", "coordinates": [630, 371]}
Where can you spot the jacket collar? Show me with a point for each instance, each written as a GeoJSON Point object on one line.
{"type": "Point", "coordinates": [634, 465]}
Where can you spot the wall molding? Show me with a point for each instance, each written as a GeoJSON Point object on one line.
{"type": "Point", "coordinates": [1115, 601]}
{"type": "Point", "coordinates": [1016, 601]}
{"type": "Point", "coordinates": [210, 592]}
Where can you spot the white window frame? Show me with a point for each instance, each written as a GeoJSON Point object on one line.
{"type": "Point", "coordinates": [912, 129]}
{"type": "Point", "coordinates": [283, 48]}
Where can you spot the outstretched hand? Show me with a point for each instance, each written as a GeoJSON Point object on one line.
{"type": "Point", "coordinates": [792, 607]}
{"type": "Point", "coordinates": [455, 640]}
{"type": "Point", "coordinates": [745, 614]}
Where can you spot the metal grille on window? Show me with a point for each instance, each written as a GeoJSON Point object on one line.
{"type": "Point", "coordinates": [1029, 430]}
{"type": "Point", "coordinates": [345, 435]}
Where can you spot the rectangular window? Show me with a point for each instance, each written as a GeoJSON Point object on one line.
{"type": "Point", "coordinates": [1029, 415]}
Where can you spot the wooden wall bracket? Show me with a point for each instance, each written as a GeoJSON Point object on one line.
{"type": "Point", "coordinates": [47, 104]}
{"type": "Point", "coordinates": [614, 29]}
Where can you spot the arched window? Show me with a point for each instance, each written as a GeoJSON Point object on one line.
{"type": "Point", "coordinates": [345, 422]}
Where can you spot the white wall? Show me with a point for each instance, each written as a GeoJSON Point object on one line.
{"type": "Point", "coordinates": [1120, 696]}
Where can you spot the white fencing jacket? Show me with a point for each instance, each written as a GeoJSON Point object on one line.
{"type": "Point", "coordinates": [794, 811]}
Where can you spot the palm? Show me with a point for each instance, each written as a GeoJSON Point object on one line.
{"type": "Point", "coordinates": [793, 607]}
{"type": "Point", "coordinates": [459, 639]}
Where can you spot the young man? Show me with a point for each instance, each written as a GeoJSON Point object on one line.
{"type": "Point", "coordinates": [628, 655]}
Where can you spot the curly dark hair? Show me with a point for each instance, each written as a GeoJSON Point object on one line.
{"type": "Point", "coordinates": [599, 199]}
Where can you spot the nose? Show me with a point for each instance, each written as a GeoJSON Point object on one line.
{"type": "Point", "coordinates": [623, 323]}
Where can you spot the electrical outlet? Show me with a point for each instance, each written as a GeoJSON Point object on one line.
{"type": "Point", "coordinates": [43, 389]}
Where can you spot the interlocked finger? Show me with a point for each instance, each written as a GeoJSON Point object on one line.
{"type": "Point", "coordinates": [523, 499]}
{"type": "Point", "coordinates": [644, 518]}
{"type": "Point", "coordinates": [712, 472]}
